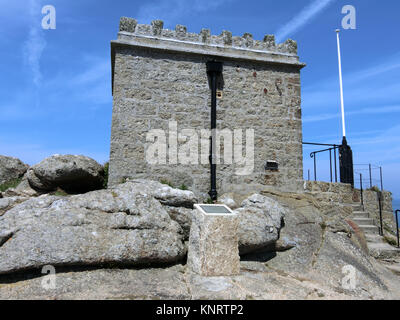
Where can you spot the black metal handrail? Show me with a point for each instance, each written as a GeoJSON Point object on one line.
{"type": "Point", "coordinates": [379, 195]}
{"type": "Point", "coordinates": [397, 226]}
{"type": "Point", "coordinates": [314, 156]}
{"type": "Point", "coordinates": [362, 193]}
{"type": "Point", "coordinates": [370, 170]}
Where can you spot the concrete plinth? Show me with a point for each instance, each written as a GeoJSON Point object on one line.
{"type": "Point", "coordinates": [213, 242]}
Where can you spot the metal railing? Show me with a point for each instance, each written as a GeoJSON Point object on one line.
{"type": "Point", "coordinates": [379, 196]}
{"type": "Point", "coordinates": [369, 172]}
{"type": "Point", "coordinates": [397, 226]}
{"type": "Point", "coordinates": [332, 164]}
{"type": "Point", "coordinates": [362, 193]}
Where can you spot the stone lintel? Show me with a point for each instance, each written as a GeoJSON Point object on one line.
{"type": "Point", "coordinates": [206, 49]}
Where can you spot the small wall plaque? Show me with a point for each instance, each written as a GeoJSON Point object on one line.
{"type": "Point", "coordinates": [271, 165]}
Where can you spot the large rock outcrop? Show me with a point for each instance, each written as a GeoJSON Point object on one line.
{"type": "Point", "coordinates": [125, 225]}
{"type": "Point", "coordinates": [11, 169]}
{"type": "Point", "coordinates": [260, 221]}
{"type": "Point", "coordinates": [71, 173]}
{"type": "Point", "coordinates": [144, 222]}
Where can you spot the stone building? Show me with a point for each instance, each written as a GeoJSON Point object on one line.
{"type": "Point", "coordinates": [159, 81]}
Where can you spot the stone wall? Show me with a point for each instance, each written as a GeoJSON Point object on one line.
{"type": "Point", "coordinates": [330, 196]}
{"type": "Point", "coordinates": [160, 76]}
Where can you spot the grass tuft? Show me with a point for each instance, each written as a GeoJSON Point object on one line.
{"type": "Point", "coordinates": [390, 240]}
{"type": "Point", "coordinates": [165, 181]}
{"type": "Point", "coordinates": [10, 184]}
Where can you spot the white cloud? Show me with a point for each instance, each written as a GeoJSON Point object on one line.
{"type": "Point", "coordinates": [305, 15]}
{"type": "Point", "coordinates": [35, 44]}
{"type": "Point", "coordinates": [328, 116]}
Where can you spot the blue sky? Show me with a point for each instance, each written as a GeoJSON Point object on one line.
{"type": "Point", "coordinates": [55, 84]}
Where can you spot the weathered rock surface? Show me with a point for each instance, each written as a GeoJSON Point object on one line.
{"type": "Point", "coordinates": [228, 200]}
{"type": "Point", "coordinates": [123, 225]}
{"type": "Point", "coordinates": [183, 216]}
{"type": "Point", "coordinates": [74, 174]}
{"type": "Point", "coordinates": [11, 168]}
{"type": "Point", "coordinates": [127, 226]}
{"type": "Point", "coordinates": [260, 220]}
{"type": "Point", "coordinates": [10, 202]}
{"type": "Point", "coordinates": [322, 246]}
{"type": "Point", "coordinates": [255, 281]}
{"type": "Point", "coordinates": [121, 284]}
{"type": "Point", "coordinates": [23, 189]}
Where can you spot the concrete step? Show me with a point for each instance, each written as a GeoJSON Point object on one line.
{"type": "Point", "coordinates": [360, 214]}
{"type": "Point", "coordinates": [356, 206]}
{"type": "Point", "coordinates": [373, 237]}
{"type": "Point", "coordinates": [369, 228]}
{"type": "Point", "coordinates": [363, 221]}
{"type": "Point", "coordinates": [382, 250]}
{"type": "Point", "coordinates": [394, 268]}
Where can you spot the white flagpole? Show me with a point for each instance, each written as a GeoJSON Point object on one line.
{"type": "Point", "coordinates": [341, 83]}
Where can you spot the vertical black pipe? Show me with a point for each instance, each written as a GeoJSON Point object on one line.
{"type": "Point", "coordinates": [214, 70]}
{"type": "Point", "coordinates": [213, 190]}
{"type": "Point", "coordinates": [397, 227]}
{"type": "Point", "coordinates": [380, 169]}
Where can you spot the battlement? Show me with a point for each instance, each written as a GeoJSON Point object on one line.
{"type": "Point", "coordinates": [224, 45]}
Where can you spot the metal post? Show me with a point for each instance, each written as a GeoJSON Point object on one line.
{"type": "Point", "coordinates": [380, 212]}
{"type": "Point", "coordinates": [214, 69]}
{"type": "Point", "coordinates": [315, 166]}
{"type": "Point", "coordinates": [334, 154]}
{"type": "Point", "coordinates": [330, 163]}
{"type": "Point", "coordinates": [361, 192]}
{"type": "Point", "coordinates": [397, 226]}
{"type": "Point", "coordinates": [308, 174]}
{"type": "Point", "coordinates": [370, 176]}
{"type": "Point", "coordinates": [380, 169]}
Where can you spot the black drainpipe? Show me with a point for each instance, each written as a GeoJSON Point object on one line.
{"type": "Point", "coordinates": [214, 71]}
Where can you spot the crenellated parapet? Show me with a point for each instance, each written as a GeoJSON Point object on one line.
{"type": "Point", "coordinates": [225, 45]}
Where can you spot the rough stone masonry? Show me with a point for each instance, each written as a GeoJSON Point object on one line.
{"type": "Point", "coordinates": [159, 77]}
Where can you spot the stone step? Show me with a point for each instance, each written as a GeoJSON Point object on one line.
{"type": "Point", "coordinates": [382, 250]}
{"type": "Point", "coordinates": [360, 214]}
{"type": "Point", "coordinates": [369, 228]}
{"type": "Point", "coordinates": [363, 221]}
{"type": "Point", "coordinates": [373, 237]}
{"type": "Point", "coordinates": [379, 249]}
{"type": "Point", "coordinates": [394, 268]}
